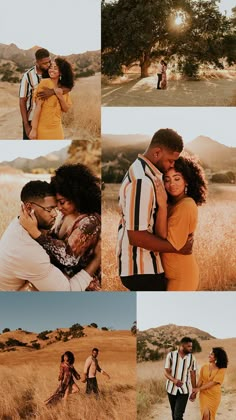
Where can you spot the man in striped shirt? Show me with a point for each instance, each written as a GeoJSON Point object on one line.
{"type": "Point", "coordinates": [29, 82]}
{"type": "Point", "coordinates": [138, 248]}
{"type": "Point", "coordinates": [180, 371]}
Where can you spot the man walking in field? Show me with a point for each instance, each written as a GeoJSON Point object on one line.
{"type": "Point", "coordinates": [91, 367]}
{"type": "Point", "coordinates": [138, 248]}
{"type": "Point", "coordinates": [180, 371]}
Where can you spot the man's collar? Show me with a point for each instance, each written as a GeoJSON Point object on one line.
{"type": "Point", "coordinates": [152, 167]}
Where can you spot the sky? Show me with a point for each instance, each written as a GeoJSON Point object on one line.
{"type": "Point", "coordinates": [213, 312]}
{"type": "Point", "coordinates": [63, 27]}
{"type": "Point", "coordinates": [218, 123]}
{"type": "Point", "coordinates": [30, 149]}
{"type": "Point", "coordinates": [227, 5]}
{"type": "Point", "coordinates": [37, 312]}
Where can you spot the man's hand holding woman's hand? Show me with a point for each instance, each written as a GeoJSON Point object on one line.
{"type": "Point", "coordinates": [29, 222]}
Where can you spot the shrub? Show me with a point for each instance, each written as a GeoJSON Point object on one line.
{"type": "Point", "coordinates": [36, 346]}
{"type": "Point", "coordinates": [93, 325]}
{"type": "Point", "coordinates": [13, 342]}
{"type": "Point", "coordinates": [6, 330]}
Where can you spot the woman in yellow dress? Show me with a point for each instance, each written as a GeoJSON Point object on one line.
{"type": "Point", "coordinates": [210, 381]}
{"type": "Point", "coordinates": [176, 220]}
{"type": "Point", "coordinates": [47, 118]}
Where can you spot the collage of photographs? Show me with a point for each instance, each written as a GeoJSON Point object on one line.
{"type": "Point", "coordinates": [131, 197]}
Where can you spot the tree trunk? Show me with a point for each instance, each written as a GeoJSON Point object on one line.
{"type": "Point", "coordinates": [144, 68]}
{"type": "Point", "coordinates": [144, 64]}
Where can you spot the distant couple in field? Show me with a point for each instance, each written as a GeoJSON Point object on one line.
{"type": "Point", "coordinates": [158, 201]}
{"type": "Point", "coordinates": [44, 95]}
{"type": "Point", "coordinates": [55, 243]}
{"type": "Point", "coordinates": [180, 371]}
{"type": "Point", "coordinates": [161, 75]}
{"type": "Point", "coordinates": [68, 375]}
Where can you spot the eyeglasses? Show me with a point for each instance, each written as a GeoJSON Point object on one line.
{"type": "Point", "coordinates": [48, 209]}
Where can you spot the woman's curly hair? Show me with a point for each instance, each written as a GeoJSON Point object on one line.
{"type": "Point", "coordinates": [70, 355]}
{"type": "Point", "coordinates": [78, 184]}
{"type": "Point", "coordinates": [221, 357]}
{"type": "Point", "coordinates": [193, 174]}
{"type": "Point", "coordinates": [66, 72]}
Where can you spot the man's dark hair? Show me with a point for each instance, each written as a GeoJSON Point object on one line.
{"type": "Point", "coordinates": [36, 189]}
{"type": "Point", "coordinates": [42, 53]}
{"type": "Point", "coordinates": [168, 138]}
{"type": "Point", "coordinates": [95, 349]}
{"type": "Point", "coordinates": [186, 340]}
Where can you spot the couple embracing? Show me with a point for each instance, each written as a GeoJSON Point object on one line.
{"type": "Point", "coordinates": [158, 220]}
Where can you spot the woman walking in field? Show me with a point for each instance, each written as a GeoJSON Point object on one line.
{"type": "Point", "coordinates": [66, 377]}
{"type": "Point", "coordinates": [185, 190]}
{"type": "Point", "coordinates": [47, 117]}
{"type": "Point", "coordinates": [209, 384]}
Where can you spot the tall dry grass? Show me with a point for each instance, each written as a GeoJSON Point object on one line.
{"type": "Point", "coordinates": [214, 245]}
{"type": "Point", "coordinates": [28, 377]}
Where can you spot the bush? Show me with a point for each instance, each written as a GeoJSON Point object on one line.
{"type": "Point", "coordinates": [36, 346]}
{"type": "Point", "coordinates": [226, 178]}
{"type": "Point", "coordinates": [43, 335]}
{"type": "Point", "coordinates": [13, 342]}
{"type": "Point", "coordinates": [93, 325]}
{"type": "Point", "coordinates": [104, 329]}
{"type": "Point", "coordinates": [6, 330]}
{"type": "Point", "coordinates": [86, 73]}
{"type": "Point", "coordinates": [2, 345]}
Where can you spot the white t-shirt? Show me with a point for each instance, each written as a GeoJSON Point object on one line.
{"type": "Point", "coordinates": [22, 258]}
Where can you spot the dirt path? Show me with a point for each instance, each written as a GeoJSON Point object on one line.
{"type": "Point", "coordinates": [143, 92]}
{"type": "Point", "coordinates": [227, 410]}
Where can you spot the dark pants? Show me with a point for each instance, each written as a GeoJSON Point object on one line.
{"type": "Point", "coordinates": [178, 404]}
{"type": "Point", "coordinates": [159, 75]}
{"type": "Point", "coordinates": [92, 386]}
{"type": "Point", "coordinates": [25, 137]}
{"type": "Point", "coordinates": [145, 282]}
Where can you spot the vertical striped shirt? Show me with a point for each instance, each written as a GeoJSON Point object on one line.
{"type": "Point", "coordinates": [180, 369]}
{"type": "Point", "coordinates": [29, 82]}
{"type": "Point", "coordinates": [138, 206]}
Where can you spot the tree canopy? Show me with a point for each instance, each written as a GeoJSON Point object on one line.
{"type": "Point", "coordinates": [189, 31]}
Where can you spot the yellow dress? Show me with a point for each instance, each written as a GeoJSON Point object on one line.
{"type": "Point", "coordinates": [50, 125]}
{"type": "Point", "coordinates": [210, 398]}
{"type": "Point", "coordinates": [181, 270]}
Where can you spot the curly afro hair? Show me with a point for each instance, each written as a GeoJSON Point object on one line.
{"type": "Point", "coordinates": [70, 355]}
{"type": "Point", "coordinates": [221, 357]}
{"type": "Point", "coordinates": [66, 72]}
{"type": "Point", "coordinates": [193, 174]}
{"type": "Point", "coordinates": [78, 184]}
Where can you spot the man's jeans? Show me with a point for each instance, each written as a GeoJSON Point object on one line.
{"type": "Point", "coordinates": [178, 404]}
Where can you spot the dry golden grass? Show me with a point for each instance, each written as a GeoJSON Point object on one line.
{"type": "Point", "coordinates": [151, 381]}
{"type": "Point", "coordinates": [82, 121]}
{"type": "Point", "coordinates": [30, 377]}
{"type": "Point", "coordinates": [214, 246]}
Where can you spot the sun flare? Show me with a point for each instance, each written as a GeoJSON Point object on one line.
{"type": "Point", "coordinates": [179, 19]}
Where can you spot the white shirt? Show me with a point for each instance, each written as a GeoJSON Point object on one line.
{"type": "Point", "coordinates": [180, 369]}
{"type": "Point", "coordinates": [159, 68]}
{"type": "Point", "coordinates": [22, 258]}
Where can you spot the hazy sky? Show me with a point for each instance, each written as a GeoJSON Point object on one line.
{"type": "Point", "coordinates": [42, 311]}
{"type": "Point", "coordinates": [227, 5]}
{"type": "Point", "coordinates": [215, 122]}
{"type": "Point", "coordinates": [12, 149]}
{"type": "Point", "coordinates": [213, 312]}
{"type": "Point", "coordinates": [63, 27]}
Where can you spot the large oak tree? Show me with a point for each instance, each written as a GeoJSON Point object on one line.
{"type": "Point", "coordinates": [138, 31]}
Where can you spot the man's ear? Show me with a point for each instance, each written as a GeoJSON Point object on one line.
{"type": "Point", "coordinates": [157, 152]}
{"type": "Point", "coordinates": [28, 207]}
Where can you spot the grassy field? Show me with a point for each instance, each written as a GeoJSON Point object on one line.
{"type": "Point", "coordinates": [30, 377]}
{"type": "Point", "coordinates": [82, 122]}
{"type": "Point", "coordinates": [151, 394]}
{"type": "Point", "coordinates": [214, 246]}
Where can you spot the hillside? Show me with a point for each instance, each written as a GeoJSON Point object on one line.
{"type": "Point", "coordinates": [154, 343]}
{"type": "Point", "coordinates": [51, 160]}
{"type": "Point", "coordinates": [15, 61]}
{"type": "Point", "coordinates": [22, 341]}
{"type": "Point", "coordinates": [120, 151]}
